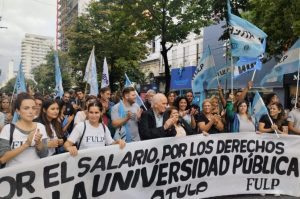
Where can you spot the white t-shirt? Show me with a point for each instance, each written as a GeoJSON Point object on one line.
{"type": "Point", "coordinates": [294, 116]}
{"type": "Point", "coordinates": [93, 136]}
{"type": "Point", "coordinates": [52, 150]}
{"type": "Point", "coordinates": [79, 117]}
{"type": "Point", "coordinates": [246, 125]}
{"type": "Point", "coordinates": [18, 139]}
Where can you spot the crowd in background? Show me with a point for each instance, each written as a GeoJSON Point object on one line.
{"type": "Point", "coordinates": [45, 126]}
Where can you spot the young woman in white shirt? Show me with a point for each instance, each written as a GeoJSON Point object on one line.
{"type": "Point", "coordinates": [49, 117]}
{"type": "Point", "coordinates": [29, 139]}
{"type": "Point", "coordinates": [90, 133]}
{"type": "Point", "coordinates": [81, 116]}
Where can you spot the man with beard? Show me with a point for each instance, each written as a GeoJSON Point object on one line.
{"type": "Point", "coordinates": [294, 119]}
{"type": "Point", "coordinates": [125, 116]}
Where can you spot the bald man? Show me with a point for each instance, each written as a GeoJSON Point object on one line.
{"type": "Point", "coordinates": [153, 123]}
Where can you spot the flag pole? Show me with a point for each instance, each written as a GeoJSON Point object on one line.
{"type": "Point", "coordinates": [296, 100]}
{"type": "Point", "coordinates": [231, 74]}
{"type": "Point", "coordinates": [253, 75]}
{"type": "Point", "coordinates": [12, 96]}
{"type": "Point", "coordinates": [269, 116]}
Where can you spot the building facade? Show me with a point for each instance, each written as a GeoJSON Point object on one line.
{"type": "Point", "coordinates": [67, 13]}
{"type": "Point", "coordinates": [183, 54]}
{"type": "Point", "coordinates": [34, 49]}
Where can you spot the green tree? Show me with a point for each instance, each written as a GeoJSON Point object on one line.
{"type": "Point", "coordinates": [115, 36]}
{"type": "Point", "coordinates": [280, 19]}
{"type": "Point", "coordinates": [9, 87]}
{"type": "Point", "coordinates": [44, 74]}
{"type": "Point", "coordinates": [171, 20]}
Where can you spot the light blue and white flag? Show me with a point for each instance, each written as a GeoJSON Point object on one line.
{"type": "Point", "coordinates": [105, 75]}
{"type": "Point", "coordinates": [203, 72]}
{"type": "Point", "coordinates": [90, 75]}
{"type": "Point", "coordinates": [288, 64]}
{"type": "Point", "coordinates": [247, 64]}
{"type": "Point", "coordinates": [245, 37]}
{"type": "Point", "coordinates": [139, 100]}
{"type": "Point", "coordinates": [20, 86]}
{"type": "Point", "coordinates": [222, 74]}
{"type": "Point", "coordinates": [59, 91]}
{"type": "Point", "coordinates": [258, 107]}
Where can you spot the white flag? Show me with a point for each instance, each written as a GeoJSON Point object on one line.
{"type": "Point", "coordinates": [105, 75]}
{"type": "Point", "coordinates": [90, 75]}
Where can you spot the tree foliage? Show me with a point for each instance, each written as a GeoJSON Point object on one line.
{"type": "Point", "coordinates": [115, 36]}
{"type": "Point", "coordinates": [44, 74]}
{"type": "Point", "coordinates": [9, 87]}
{"type": "Point", "coordinates": [280, 19]}
{"type": "Point", "coordinates": [171, 20]}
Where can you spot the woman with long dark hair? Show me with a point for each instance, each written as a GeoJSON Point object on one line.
{"type": "Point", "coordinates": [5, 108]}
{"type": "Point", "coordinates": [240, 121]}
{"type": "Point", "coordinates": [26, 140]}
{"type": "Point", "coordinates": [90, 133]}
{"type": "Point", "coordinates": [50, 118]}
{"type": "Point", "coordinates": [278, 123]}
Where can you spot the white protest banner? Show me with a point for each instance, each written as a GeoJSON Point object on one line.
{"type": "Point", "coordinates": [187, 167]}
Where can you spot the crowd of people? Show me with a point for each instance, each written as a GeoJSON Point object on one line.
{"type": "Point", "coordinates": [47, 126]}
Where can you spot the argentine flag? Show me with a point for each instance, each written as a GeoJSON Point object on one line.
{"type": "Point", "coordinates": [203, 72]}
{"type": "Point", "coordinates": [90, 75]}
{"type": "Point", "coordinates": [59, 91]}
{"type": "Point", "coordinates": [245, 37]}
{"type": "Point", "coordinates": [258, 107]}
{"type": "Point", "coordinates": [288, 64]}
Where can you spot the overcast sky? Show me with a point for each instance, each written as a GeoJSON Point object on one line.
{"type": "Point", "coordinates": [20, 17]}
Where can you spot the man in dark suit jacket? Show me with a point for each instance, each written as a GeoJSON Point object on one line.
{"type": "Point", "coordinates": [154, 123]}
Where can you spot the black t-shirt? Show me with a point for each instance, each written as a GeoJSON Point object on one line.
{"type": "Point", "coordinates": [266, 120]}
{"type": "Point", "coordinates": [202, 118]}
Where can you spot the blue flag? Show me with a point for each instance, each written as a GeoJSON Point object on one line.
{"type": "Point", "coordinates": [222, 74]}
{"type": "Point", "coordinates": [289, 63]}
{"type": "Point", "coordinates": [139, 101]}
{"type": "Point", "coordinates": [245, 37]}
{"type": "Point", "coordinates": [20, 87]}
{"type": "Point", "coordinates": [247, 64]}
{"type": "Point", "coordinates": [204, 71]}
{"type": "Point", "coordinates": [90, 75]}
{"type": "Point", "coordinates": [258, 107]}
{"type": "Point", "coordinates": [59, 91]}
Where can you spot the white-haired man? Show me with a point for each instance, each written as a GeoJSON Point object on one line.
{"type": "Point", "coordinates": [153, 123]}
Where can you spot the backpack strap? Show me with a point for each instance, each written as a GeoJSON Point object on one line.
{"type": "Point", "coordinates": [84, 128]}
{"type": "Point", "coordinates": [11, 133]}
{"type": "Point", "coordinates": [103, 128]}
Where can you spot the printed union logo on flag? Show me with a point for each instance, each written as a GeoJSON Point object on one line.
{"type": "Point", "coordinates": [104, 77]}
